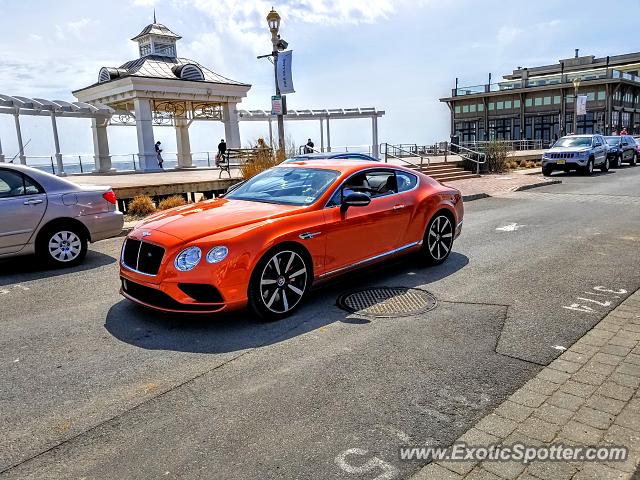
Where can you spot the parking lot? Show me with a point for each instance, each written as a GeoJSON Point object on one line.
{"type": "Point", "coordinates": [96, 387]}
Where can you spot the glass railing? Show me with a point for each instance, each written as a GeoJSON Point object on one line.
{"type": "Point", "coordinates": [596, 74]}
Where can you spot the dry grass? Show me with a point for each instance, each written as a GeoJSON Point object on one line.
{"type": "Point", "coordinates": [497, 153]}
{"type": "Point", "coordinates": [261, 161]}
{"type": "Point", "coordinates": [172, 202]}
{"type": "Point", "coordinates": [141, 206]}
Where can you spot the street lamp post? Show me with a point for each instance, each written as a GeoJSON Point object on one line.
{"type": "Point", "coordinates": [576, 85]}
{"type": "Point", "coordinates": [273, 20]}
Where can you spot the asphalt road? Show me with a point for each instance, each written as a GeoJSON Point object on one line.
{"type": "Point", "coordinates": [94, 387]}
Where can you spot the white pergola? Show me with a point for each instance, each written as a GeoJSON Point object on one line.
{"type": "Point", "coordinates": [322, 115]}
{"type": "Point", "coordinates": [17, 106]}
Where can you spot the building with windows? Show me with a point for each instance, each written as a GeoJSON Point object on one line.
{"type": "Point", "coordinates": [538, 103]}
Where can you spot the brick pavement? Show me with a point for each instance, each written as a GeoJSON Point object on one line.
{"type": "Point", "coordinates": [495, 184]}
{"type": "Point", "coordinates": [588, 397]}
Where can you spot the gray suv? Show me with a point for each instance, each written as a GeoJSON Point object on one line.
{"type": "Point", "coordinates": [577, 152]}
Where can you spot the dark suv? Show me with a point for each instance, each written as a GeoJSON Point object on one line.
{"type": "Point", "coordinates": [622, 148]}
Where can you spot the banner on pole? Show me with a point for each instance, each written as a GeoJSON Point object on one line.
{"type": "Point", "coordinates": [285, 81]}
{"type": "Point", "coordinates": [581, 105]}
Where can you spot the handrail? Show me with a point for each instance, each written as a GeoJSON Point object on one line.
{"type": "Point", "coordinates": [301, 147]}
{"type": "Point", "coordinates": [468, 156]}
{"type": "Point", "coordinates": [402, 150]}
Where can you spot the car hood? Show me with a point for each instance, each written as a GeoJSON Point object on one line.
{"type": "Point", "coordinates": [198, 220]}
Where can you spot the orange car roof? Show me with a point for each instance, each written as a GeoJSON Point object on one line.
{"type": "Point", "coordinates": [342, 166]}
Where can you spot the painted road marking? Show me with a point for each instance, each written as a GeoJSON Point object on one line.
{"type": "Point", "coordinates": [512, 227]}
{"type": "Point", "coordinates": [585, 305]}
{"type": "Point", "coordinates": [372, 465]}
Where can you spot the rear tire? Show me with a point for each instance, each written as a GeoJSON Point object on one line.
{"type": "Point", "coordinates": [438, 239]}
{"type": "Point", "coordinates": [634, 160]}
{"type": "Point", "coordinates": [605, 165]}
{"type": "Point", "coordinates": [279, 283]}
{"type": "Point", "coordinates": [62, 246]}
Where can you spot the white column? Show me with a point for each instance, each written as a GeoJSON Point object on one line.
{"type": "Point", "coordinates": [321, 135]}
{"type": "Point", "coordinates": [374, 136]}
{"type": "Point", "coordinates": [185, 159]}
{"type": "Point", "coordinates": [270, 134]}
{"type": "Point", "coordinates": [101, 156]}
{"type": "Point", "coordinates": [23, 159]}
{"type": "Point", "coordinates": [56, 144]}
{"type": "Point", "coordinates": [231, 125]}
{"type": "Point", "coordinates": [1, 154]}
{"type": "Point", "coordinates": [328, 136]}
{"type": "Point", "coordinates": [144, 129]}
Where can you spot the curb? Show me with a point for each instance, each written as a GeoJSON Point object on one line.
{"type": "Point", "coordinates": [475, 196]}
{"type": "Point", "coordinates": [536, 185]}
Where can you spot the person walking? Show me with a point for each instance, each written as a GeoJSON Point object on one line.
{"type": "Point", "coordinates": [159, 154]}
{"type": "Point", "coordinates": [308, 148]}
{"type": "Point", "coordinates": [624, 131]}
{"type": "Point", "coordinates": [222, 150]}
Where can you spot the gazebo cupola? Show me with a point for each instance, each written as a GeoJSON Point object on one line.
{"type": "Point", "coordinates": [156, 39]}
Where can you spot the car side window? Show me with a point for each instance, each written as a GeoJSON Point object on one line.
{"type": "Point", "coordinates": [406, 181]}
{"type": "Point", "coordinates": [11, 184]}
{"type": "Point", "coordinates": [375, 183]}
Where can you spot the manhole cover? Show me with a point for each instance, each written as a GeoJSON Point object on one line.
{"type": "Point", "coordinates": [386, 302]}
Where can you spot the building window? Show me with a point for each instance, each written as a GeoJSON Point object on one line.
{"type": "Point", "coordinates": [602, 95]}
{"type": "Point", "coordinates": [472, 108]}
{"type": "Point", "coordinates": [516, 104]}
{"type": "Point", "coordinates": [586, 123]}
{"type": "Point", "coordinates": [569, 99]}
{"type": "Point", "coordinates": [145, 49]}
{"type": "Point", "coordinates": [500, 105]}
{"type": "Point", "coordinates": [547, 100]}
{"type": "Point", "coordinates": [556, 100]}
{"type": "Point", "coordinates": [542, 127]}
{"type": "Point", "coordinates": [528, 102]}
{"type": "Point", "coordinates": [538, 101]}
{"type": "Point", "coordinates": [465, 109]}
{"type": "Point", "coordinates": [507, 104]}
{"type": "Point", "coordinates": [492, 105]}
{"type": "Point", "coordinates": [500, 129]}
{"type": "Point", "coordinates": [466, 131]}
{"type": "Point", "coordinates": [165, 49]}
{"type": "Point", "coordinates": [591, 96]}
{"type": "Point", "coordinates": [457, 109]}
{"type": "Point", "coordinates": [481, 107]}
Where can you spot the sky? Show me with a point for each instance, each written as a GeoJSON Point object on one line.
{"type": "Point", "coordinates": [399, 56]}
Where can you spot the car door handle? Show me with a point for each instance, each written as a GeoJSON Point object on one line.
{"type": "Point", "coordinates": [399, 207]}
{"type": "Point", "coordinates": [33, 202]}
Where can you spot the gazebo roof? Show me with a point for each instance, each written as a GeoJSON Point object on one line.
{"type": "Point", "coordinates": [157, 66]}
{"type": "Point", "coordinates": [156, 29]}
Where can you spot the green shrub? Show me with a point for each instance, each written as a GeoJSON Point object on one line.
{"type": "Point", "coordinates": [497, 153]}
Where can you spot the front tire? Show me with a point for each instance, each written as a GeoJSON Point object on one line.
{"type": "Point", "coordinates": [438, 239]}
{"type": "Point", "coordinates": [62, 246]}
{"type": "Point", "coordinates": [279, 283]}
{"type": "Point", "coordinates": [618, 162]}
{"type": "Point", "coordinates": [605, 165]}
{"type": "Point", "coordinates": [546, 171]}
{"type": "Point", "coordinates": [634, 160]}
{"type": "Point", "coordinates": [588, 170]}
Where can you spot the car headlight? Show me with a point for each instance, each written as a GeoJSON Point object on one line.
{"type": "Point", "coordinates": [217, 254]}
{"type": "Point", "coordinates": [188, 259]}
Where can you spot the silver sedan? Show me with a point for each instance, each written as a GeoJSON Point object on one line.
{"type": "Point", "coordinates": [53, 217]}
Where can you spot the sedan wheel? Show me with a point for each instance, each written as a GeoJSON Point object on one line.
{"type": "Point", "coordinates": [280, 284]}
{"type": "Point", "coordinates": [634, 160]}
{"type": "Point", "coordinates": [605, 165]}
{"type": "Point", "coordinates": [438, 240]}
{"type": "Point", "coordinates": [62, 247]}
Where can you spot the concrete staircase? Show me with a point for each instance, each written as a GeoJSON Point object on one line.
{"type": "Point", "coordinates": [445, 171]}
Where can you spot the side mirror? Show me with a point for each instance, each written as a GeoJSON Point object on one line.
{"type": "Point", "coordinates": [355, 199]}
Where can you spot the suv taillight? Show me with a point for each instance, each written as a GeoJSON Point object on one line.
{"type": "Point", "coordinates": [110, 197]}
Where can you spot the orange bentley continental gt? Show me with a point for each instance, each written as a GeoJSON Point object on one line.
{"type": "Point", "coordinates": [265, 243]}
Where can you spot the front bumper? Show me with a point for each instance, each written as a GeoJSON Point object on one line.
{"type": "Point", "coordinates": [169, 298]}
{"type": "Point", "coordinates": [562, 163]}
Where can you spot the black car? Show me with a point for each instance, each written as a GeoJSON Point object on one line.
{"type": "Point", "coordinates": [622, 148]}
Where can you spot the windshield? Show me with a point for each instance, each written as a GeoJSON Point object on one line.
{"type": "Point", "coordinates": [612, 140]}
{"type": "Point", "coordinates": [288, 186]}
{"type": "Point", "coordinates": [573, 142]}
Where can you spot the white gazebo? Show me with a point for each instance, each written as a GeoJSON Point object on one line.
{"type": "Point", "coordinates": [160, 88]}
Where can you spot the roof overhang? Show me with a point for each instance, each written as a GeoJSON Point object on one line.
{"type": "Point", "coordinates": [59, 108]}
{"type": "Point", "coordinates": [128, 88]}
{"type": "Point", "coordinates": [335, 113]}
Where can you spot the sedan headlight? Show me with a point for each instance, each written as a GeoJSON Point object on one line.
{"type": "Point", "coordinates": [188, 259]}
{"type": "Point", "coordinates": [217, 254]}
